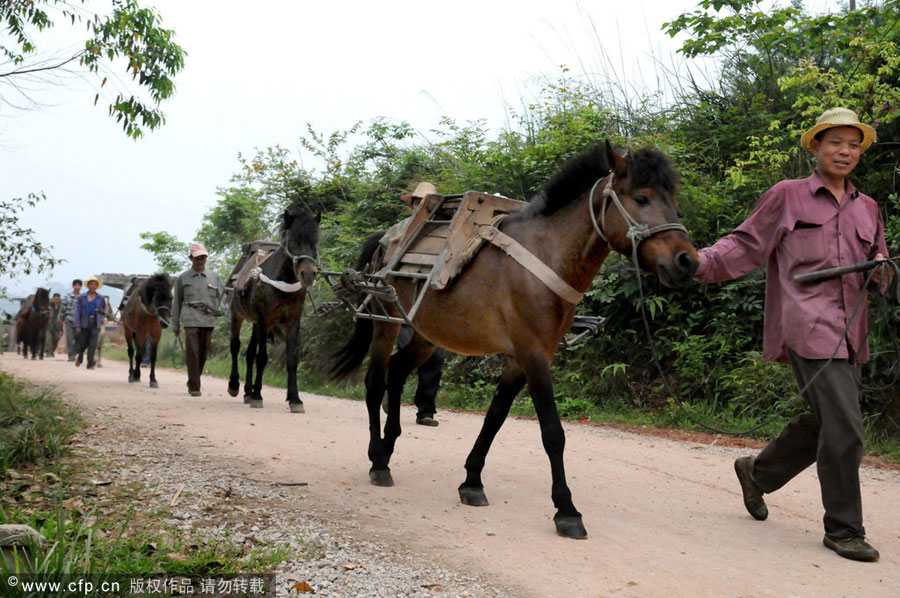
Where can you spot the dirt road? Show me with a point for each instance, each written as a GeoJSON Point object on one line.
{"type": "Point", "coordinates": [665, 518]}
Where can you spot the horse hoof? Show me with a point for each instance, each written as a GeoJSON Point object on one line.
{"type": "Point", "coordinates": [474, 497]}
{"type": "Point", "coordinates": [297, 408]}
{"type": "Point", "coordinates": [154, 384]}
{"type": "Point", "coordinates": [571, 527]}
{"type": "Point", "coordinates": [232, 391]}
{"type": "Point", "coordinates": [381, 477]}
{"type": "Point", "coordinates": [247, 398]}
{"type": "Point", "coordinates": [254, 403]}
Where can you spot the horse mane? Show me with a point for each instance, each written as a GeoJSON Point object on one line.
{"type": "Point", "coordinates": [646, 167]}
{"type": "Point", "coordinates": [157, 286]}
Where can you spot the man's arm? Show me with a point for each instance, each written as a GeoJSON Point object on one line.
{"type": "Point", "coordinates": [749, 246]}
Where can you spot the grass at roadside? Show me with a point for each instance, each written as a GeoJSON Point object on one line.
{"type": "Point", "coordinates": [91, 527]}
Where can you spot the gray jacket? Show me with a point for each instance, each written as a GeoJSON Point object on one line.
{"type": "Point", "coordinates": [205, 288]}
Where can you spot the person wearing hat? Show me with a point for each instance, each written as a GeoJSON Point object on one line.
{"type": "Point", "coordinates": [429, 373]}
{"type": "Point", "coordinates": [799, 226]}
{"type": "Point", "coordinates": [198, 292]}
{"type": "Point", "coordinates": [88, 320]}
{"type": "Point", "coordinates": [67, 316]}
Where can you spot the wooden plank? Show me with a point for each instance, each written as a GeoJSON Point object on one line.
{"type": "Point", "coordinates": [423, 259]}
{"type": "Point", "coordinates": [430, 244]}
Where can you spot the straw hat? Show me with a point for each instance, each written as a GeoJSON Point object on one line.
{"type": "Point", "coordinates": [839, 117]}
{"type": "Point", "coordinates": [95, 279]}
{"type": "Point", "coordinates": [198, 249]}
{"type": "Point", "coordinates": [422, 189]}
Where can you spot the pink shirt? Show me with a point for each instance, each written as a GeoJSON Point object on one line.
{"type": "Point", "coordinates": [797, 227]}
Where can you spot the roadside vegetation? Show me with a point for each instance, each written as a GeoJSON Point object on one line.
{"type": "Point", "coordinates": [732, 124]}
{"type": "Point", "coordinates": [92, 527]}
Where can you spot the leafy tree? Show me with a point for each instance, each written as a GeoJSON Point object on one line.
{"type": "Point", "coordinates": [129, 37]}
{"type": "Point", "coordinates": [170, 253]}
{"type": "Point", "coordinates": [22, 253]}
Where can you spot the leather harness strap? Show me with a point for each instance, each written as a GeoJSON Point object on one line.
{"type": "Point", "coordinates": [527, 260]}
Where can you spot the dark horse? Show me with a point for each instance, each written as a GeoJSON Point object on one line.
{"type": "Point", "coordinates": [273, 299]}
{"type": "Point", "coordinates": [31, 322]}
{"type": "Point", "coordinates": [144, 316]}
{"type": "Point", "coordinates": [497, 306]}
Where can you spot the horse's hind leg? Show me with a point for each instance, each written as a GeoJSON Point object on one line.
{"type": "Point", "coordinates": [540, 385]}
{"type": "Point", "coordinates": [384, 336]}
{"type": "Point", "coordinates": [292, 337]}
{"type": "Point", "coordinates": [402, 363]}
{"type": "Point", "coordinates": [251, 358]}
{"type": "Point", "coordinates": [471, 492]}
{"type": "Point", "coordinates": [129, 342]}
{"type": "Point", "coordinates": [154, 351]}
{"type": "Point", "coordinates": [262, 357]}
{"type": "Point", "coordinates": [234, 380]}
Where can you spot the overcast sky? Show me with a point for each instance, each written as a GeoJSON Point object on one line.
{"type": "Point", "coordinates": [256, 73]}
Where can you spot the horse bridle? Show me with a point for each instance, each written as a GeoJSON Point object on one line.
{"type": "Point", "coordinates": [637, 231]}
{"type": "Point", "coordinates": [296, 259]}
{"type": "Point", "coordinates": [155, 312]}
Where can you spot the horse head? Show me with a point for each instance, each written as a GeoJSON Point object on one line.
{"type": "Point", "coordinates": [637, 206]}
{"type": "Point", "coordinates": [41, 302]}
{"type": "Point", "coordinates": [156, 295]}
{"type": "Point", "coordinates": [299, 238]}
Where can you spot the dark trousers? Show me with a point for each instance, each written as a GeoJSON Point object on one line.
{"type": "Point", "coordinates": [831, 436]}
{"type": "Point", "coordinates": [196, 347]}
{"type": "Point", "coordinates": [429, 374]}
{"type": "Point", "coordinates": [88, 340]}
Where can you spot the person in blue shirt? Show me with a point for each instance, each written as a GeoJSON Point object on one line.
{"type": "Point", "coordinates": [88, 321]}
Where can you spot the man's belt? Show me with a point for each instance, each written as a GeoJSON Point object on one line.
{"type": "Point", "coordinates": [204, 308]}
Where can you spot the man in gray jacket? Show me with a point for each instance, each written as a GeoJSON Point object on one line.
{"type": "Point", "coordinates": [196, 300]}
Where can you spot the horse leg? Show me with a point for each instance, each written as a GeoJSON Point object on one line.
{"type": "Point", "coordinates": [292, 338]}
{"type": "Point", "coordinates": [540, 385]}
{"type": "Point", "coordinates": [234, 380]}
{"type": "Point", "coordinates": [471, 491]}
{"type": "Point", "coordinates": [41, 339]}
{"type": "Point", "coordinates": [154, 345]}
{"type": "Point", "coordinates": [384, 336]}
{"type": "Point", "coordinates": [402, 363]}
{"type": "Point", "coordinates": [129, 342]}
{"type": "Point", "coordinates": [251, 358]}
{"type": "Point", "coordinates": [262, 357]}
{"type": "Point", "coordinates": [140, 345]}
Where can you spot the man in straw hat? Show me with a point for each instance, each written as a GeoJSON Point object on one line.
{"type": "Point", "coordinates": [88, 320]}
{"type": "Point", "coordinates": [196, 298]}
{"type": "Point", "coordinates": [429, 373]}
{"type": "Point", "coordinates": [798, 226]}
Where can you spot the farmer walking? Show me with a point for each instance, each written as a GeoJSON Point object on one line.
{"type": "Point", "coordinates": [196, 298]}
{"type": "Point", "coordinates": [799, 226]}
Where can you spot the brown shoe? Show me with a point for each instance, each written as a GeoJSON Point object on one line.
{"type": "Point", "coordinates": [78, 361]}
{"type": "Point", "coordinates": [427, 421]}
{"type": "Point", "coordinates": [753, 496]}
{"type": "Point", "coordinates": [90, 367]}
{"type": "Point", "coordinates": [855, 548]}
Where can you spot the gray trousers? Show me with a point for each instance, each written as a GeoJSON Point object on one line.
{"type": "Point", "coordinates": [831, 436]}
{"type": "Point", "coordinates": [71, 341]}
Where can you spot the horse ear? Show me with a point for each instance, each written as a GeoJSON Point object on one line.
{"type": "Point", "coordinates": [318, 217]}
{"type": "Point", "coordinates": [616, 162]}
{"type": "Point", "coordinates": [288, 218]}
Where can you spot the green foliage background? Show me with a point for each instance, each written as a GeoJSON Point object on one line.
{"type": "Point", "coordinates": [778, 69]}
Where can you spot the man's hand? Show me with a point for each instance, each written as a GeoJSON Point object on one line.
{"type": "Point", "coordinates": [883, 275]}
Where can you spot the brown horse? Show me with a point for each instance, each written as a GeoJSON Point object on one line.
{"type": "Point", "coordinates": [274, 300]}
{"type": "Point", "coordinates": [598, 201]}
{"type": "Point", "coordinates": [144, 316]}
{"type": "Point", "coordinates": [31, 322]}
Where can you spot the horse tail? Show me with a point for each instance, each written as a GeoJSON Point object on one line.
{"type": "Point", "coordinates": [350, 356]}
